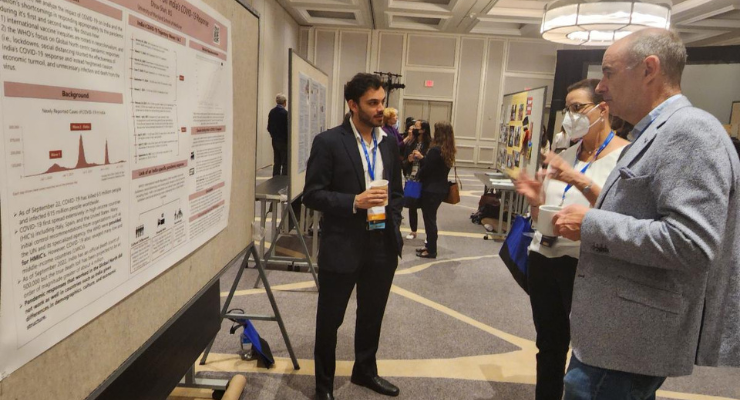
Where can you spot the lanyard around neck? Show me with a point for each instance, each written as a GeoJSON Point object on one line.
{"type": "Point", "coordinates": [583, 170]}
{"type": "Point", "coordinates": [370, 166]}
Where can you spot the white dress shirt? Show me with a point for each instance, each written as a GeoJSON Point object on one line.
{"type": "Point", "coordinates": [379, 136]}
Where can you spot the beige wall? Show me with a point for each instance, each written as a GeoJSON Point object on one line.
{"type": "Point", "coordinates": [471, 71]}
{"type": "Point", "coordinates": [278, 33]}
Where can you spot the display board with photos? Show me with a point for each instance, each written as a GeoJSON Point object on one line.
{"type": "Point", "coordinates": [520, 130]}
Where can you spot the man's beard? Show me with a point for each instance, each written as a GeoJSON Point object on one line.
{"type": "Point", "coordinates": [368, 119]}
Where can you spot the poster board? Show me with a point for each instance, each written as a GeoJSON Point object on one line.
{"type": "Point", "coordinates": [307, 100]}
{"type": "Point", "coordinates": [520, 131]}
{"type": "Point", "coordinates": [88, 342]}
{"type": "Point", "coordinates": [733, 129]}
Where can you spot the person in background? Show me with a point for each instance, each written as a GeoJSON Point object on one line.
{"type": "Point", "coordinates": [658, 281]}
{"type": "Point", "coordinates": [416, 148]}
{"type": "Point", "coordinates": [573, 177]}
{"type": "Point", "coordinates": [622, 129]}
{"type": "Point", "coordinates": [358, 246]}
{"type": "Point", "coordinates": [435, 167]}
{"type": "Point", "coordinates": [408, 134]}
{"type": "Point", "coordinates": [544, 143]}
{"type": "Point", "coordinates": [390, 119]}
{"type": "Point", "coordinates": [561, 141]}
{"type": "Point", "coordinates": [277, 125]}
{"type": "Point", "coordinates": [409, 123]}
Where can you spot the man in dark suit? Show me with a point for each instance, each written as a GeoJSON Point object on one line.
{"type": "Point", "coordinates": [361, 241]}
{"type": "Point", "coordinates": [277, 125]}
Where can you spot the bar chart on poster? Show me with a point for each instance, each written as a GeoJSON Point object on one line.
{"type": "Point", "coordinates": [116, 155]}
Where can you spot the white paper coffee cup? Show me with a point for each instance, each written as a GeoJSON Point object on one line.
{"type": "Point", "coordinates": [544, 220]}
{"type": "Point", "coordinates": [381, 184]}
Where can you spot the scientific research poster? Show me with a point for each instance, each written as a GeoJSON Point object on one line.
{"type": "Point", "coordinates": [304, 122]}
{"type": "Point", "coordinates": [312, 116]}
{"type": "Point", "coordinates": [116, 155]}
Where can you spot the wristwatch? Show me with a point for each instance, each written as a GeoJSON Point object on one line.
{"type": "Point", "coordinates": [586, 189]}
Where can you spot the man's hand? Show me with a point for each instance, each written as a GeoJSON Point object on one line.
{"type": "Point", "coordinates": [529, 188]}
{"type": "Point", "coordinates": [371, 198]}
{"type": "Point", "coordinates": [567, 223]}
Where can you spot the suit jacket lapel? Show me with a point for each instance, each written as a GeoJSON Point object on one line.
{"type": "Point", "coordinates": [634, 151]}
{"type": "Point", "coordinates": [350, 144]}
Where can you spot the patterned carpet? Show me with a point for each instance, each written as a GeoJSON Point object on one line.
{"type": "Point", "coordinates": [457, 327]}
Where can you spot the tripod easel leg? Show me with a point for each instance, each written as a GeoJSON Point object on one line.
{"type": "Point", "coordinates": [252, 251]}
{"type": "Point", "coordinates": [305, 247]}
{"type": "Point", "coordinates": [275, 309]}
{"type": "Point", "coordinates": [227, 303]}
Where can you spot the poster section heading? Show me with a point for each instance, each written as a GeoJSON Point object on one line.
{"type": "Point", "coordinates": [117, 125]}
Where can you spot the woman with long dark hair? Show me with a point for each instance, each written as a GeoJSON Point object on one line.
{"type": "Point", "coordinates": [416, 148]}
{"type": "Point", "coordinates": [435, 167]}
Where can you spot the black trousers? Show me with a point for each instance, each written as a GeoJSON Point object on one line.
{"type": "Point", "coordinates": [550, 283]}
{"type": "Point", "coordinates": [279, 157]}
{"type": "Point", "coordinates": [373, 280]}
{"type": "Point", "coordinates": [413, 218]}
{"type": "Point", "coordinates": [430, 203]}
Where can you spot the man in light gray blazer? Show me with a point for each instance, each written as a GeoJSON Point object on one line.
{"type": "Point", "coordinates": [657, 288]}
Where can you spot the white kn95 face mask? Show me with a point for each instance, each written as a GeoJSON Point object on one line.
{"type": "Point", "coordinates": [576, 124]}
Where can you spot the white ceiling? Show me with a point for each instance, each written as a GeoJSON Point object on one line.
{"type": "Point", "coordinates": [700, 22]}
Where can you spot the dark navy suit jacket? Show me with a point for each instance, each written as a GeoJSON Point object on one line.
{"type": "Point", "coordinates": [334, 177]}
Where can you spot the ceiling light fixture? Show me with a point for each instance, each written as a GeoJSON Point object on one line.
{"type": "Point", "coordinates": [601, 22]}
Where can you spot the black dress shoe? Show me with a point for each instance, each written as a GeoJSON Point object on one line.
{"type": "Point", "coordinates": [377, 384]}
{"type": "Point", "coordinates": [324, 396]}
{"type": "Point", "coordinates": [426, 254]}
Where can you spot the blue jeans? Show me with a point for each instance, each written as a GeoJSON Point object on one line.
{"type": "Point", "coordinates": [584, 382]}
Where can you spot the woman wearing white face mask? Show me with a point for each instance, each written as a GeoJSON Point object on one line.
{"type": "Point", "coordinates": [575, 176]}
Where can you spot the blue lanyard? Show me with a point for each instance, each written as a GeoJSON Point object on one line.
{"type": "Point", "coordinates": [370, 166]}
{"type": "Point", "coordinates": [583, 171]}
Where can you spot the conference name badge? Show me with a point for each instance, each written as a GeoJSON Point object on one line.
{"type": "Point", "coordinates": [376, 218]}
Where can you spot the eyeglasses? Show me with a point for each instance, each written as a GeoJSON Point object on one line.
{"type": "Point", "coordinates": [576, 107]}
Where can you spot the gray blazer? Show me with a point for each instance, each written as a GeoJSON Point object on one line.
{"type": "Point", "coordinates": [658, 282]}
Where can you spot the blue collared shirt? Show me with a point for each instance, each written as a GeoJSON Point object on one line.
{"type": "Point", "coordinates": [652, 116]}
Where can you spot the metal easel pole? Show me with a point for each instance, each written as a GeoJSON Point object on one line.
{"type": "Point", "coordinates": [275, 309]}
{"type": "Point", "coordinates": [305, 247]}
{"type": "Point", "coordinates": [288, 211]}
{"type": "Point", "coordinates": [227, 303]}
{"type": "Point", "coordinates": [251, 250]}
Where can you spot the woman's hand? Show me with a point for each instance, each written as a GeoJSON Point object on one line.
{"type": "Point", "coordinates": [561, 170]}
{"type": "Point", "coordinates": [417, 155]}
{"type": "Point", "coordinates": [530, 188]}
